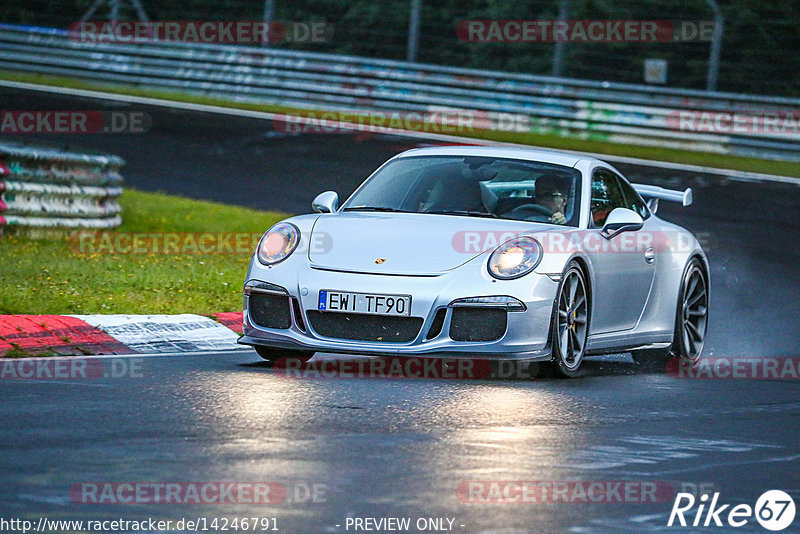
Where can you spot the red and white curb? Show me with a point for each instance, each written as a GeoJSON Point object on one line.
{"type": "Point", "coordinates": [32, 335]}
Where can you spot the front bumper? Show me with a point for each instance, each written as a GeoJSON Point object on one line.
{"type": "Point", "coordinates": [525, 338]}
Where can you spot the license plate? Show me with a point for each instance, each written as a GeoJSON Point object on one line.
{"type": "Point", "coordinates": [371, 303]}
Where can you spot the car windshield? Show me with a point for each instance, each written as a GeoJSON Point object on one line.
{"type": "Point", "coordinates": [473, 186]}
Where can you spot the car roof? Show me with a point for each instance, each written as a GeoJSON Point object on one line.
{"type": "Point", "coordinates": [531, 154]}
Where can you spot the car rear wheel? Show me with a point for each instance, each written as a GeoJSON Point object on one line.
{"type": "Point", "coordinates": [271, 355]}
{"type": "Point", "coordinates": [691, 321]}
{"type": "Point", "coordinates": [570, 326]}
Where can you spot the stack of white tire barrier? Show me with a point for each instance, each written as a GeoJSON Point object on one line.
{"type": "Point", "coordinates": [50, 188]}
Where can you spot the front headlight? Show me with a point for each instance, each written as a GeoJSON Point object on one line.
{"type": "Point", "coordinates": [515, 258]}
{"type": "Point", "coordinates": [278, 243]}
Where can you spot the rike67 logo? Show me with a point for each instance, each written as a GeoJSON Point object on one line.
{"type": "Point", "coordinates": [774, 510]}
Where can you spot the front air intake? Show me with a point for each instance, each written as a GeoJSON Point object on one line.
{"type": "Point", "coordinates": [478, 324]}
{"type": "Point", "coordinates": [270, 311]}
{"type": "Point", "coordinates": [362, 327]}
{"type": "Point", "coordinates": [438, 323]}
{"type": "Point", "coordinates": [298, 315]}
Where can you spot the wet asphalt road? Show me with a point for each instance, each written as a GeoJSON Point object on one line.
{"type": "Point", "coordinates": [393, 447]}
{"type": "Point", "coordinates": [402, 447]}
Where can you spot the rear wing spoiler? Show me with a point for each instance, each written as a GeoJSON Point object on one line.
{"type": "Point", "coordinates": [655, 193]}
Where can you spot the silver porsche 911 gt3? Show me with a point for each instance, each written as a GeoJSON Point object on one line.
{"type": "Point", "coordinates": [497, 253]}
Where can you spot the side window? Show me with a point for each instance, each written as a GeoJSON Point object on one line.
{"type": "Point", "coordinates": [632, 199]}
{"type": "Point", "coordinates": [606, 195]}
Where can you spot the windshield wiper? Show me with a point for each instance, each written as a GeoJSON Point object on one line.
{"type": "Point", "coordinates": [465, 213]}
{"type": "Point", "coordinates": [374, 208]}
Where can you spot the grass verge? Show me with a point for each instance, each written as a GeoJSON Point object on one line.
{"type": "Point", "coordinates": [783, 168]}
{"type": "Point", "coordinates": [57, 276]}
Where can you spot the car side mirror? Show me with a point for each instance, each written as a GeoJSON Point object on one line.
{"type": "Point", "coordinates": [326, 202]}
{"type": "Point", "coordinates": [621, 220]}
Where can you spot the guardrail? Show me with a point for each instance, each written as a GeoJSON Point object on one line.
{"type": "Point", "coordinates": [613, 112]}
{"type": "Point", "coordinates": [47, 188]}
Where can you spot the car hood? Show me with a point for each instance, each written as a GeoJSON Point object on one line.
{"type": "Point", "coordinates": [406, 243]}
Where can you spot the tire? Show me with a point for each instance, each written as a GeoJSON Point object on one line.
{"type": "Point", "coordinates": [691, 321]}
{"type": "Point", "coordinates": [271, 355]}
{"type": "Point", "coordinates": [570, 325]}
{"type": "Point", "coordinates": [691, 317]}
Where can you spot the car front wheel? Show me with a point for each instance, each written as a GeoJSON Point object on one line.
{"type": "Point", "coordinates": [570, 326]}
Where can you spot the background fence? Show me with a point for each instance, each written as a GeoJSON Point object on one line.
{"type": "Point", "coordinates": [52, 188]}
{"type": "Point", "coordinates": [613, 112]}
{"type": "Point", "coordinates": [758, 48]}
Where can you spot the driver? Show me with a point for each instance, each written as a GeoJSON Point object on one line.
{"type": "Point", "coordinates": [551, 192]}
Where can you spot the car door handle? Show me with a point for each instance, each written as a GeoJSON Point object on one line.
{"type": "Point", "coordinates": [650, 255]}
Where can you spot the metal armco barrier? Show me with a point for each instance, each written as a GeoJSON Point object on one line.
{"type": "Point", "coordinates": [52, 188]}
{"type": "Point", "coordinates": [604, 111]}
